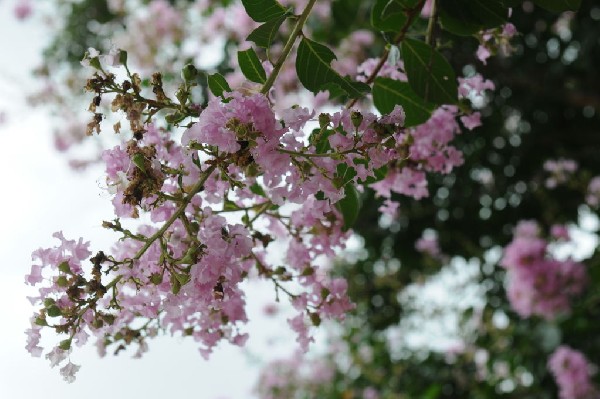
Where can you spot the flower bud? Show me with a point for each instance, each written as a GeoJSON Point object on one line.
{"type": "Point", "coordinates": [356, 118]}
{"type": "Point", "coordinates": [123, 57]}
{"type": "Point", "coordinates": [65, 345]}
{"type": "Point", "coordinates": [189, 72]}
{"type": "Point", "coordinates": [324, 120]}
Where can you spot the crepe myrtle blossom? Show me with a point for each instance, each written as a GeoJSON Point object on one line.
{"type": "Point", "coordinates": [23, 9]}
{"type": "Point", "coordinates": [215, 196]}
{"type": "Point", "coordinates": [560, 170]}
{"type": "Point", "coordinates": [495, 41]}
{"type": "Point", "coordinates": [282, 377]}
{"type": "Point", "coordinates": [182, 274]}
{"type": "Point", "coordinates": [429, 245]}
{"type": "Point", "coordinates": [539, 284]}
{"type": "Point", "coordinates": [592, 197]}
{"type": "Point", "coordinates": [573, 374]}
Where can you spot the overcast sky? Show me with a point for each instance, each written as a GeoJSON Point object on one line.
{"type": "Point", "coordinates": [41, 195]}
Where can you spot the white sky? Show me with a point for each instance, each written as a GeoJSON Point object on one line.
{"type": "Point", "coordinates": [40, 196]}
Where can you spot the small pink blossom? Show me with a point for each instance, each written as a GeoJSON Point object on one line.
{"type": "Point", "coordinates": [560, 232]}
{"type": "Point", "coordinates": [537, 283]}
{"type": "Point", "coordinates": [593, 192]}
{"type": "Point", "coordinates": [572, 373]}
{"type": "Point", "coordinates": [299, 325]}
{"type": "Point", "coordinates": [429, 245]}
{"type": "Point", "coordinates": [483, 53]}
{"type": "Point", "coordinates": [68, 372]}
{"type": "Point", "coordinates": [471, 121]}
{"type": "Point", "coordinates": [23, 9]}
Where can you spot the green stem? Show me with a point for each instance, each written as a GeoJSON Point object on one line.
{"type": "Point", "coordinates": [288, 47]}
{"type": "Point", "coordinates": [184, 203]}
{"type": "Point", "coordinates": [431, 25]}
{"type": "Point", "coordinates": [411, 15]}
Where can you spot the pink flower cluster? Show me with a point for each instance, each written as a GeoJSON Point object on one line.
{"type": "Point", "coordinates": [539, 284]}
{"type": "Point", "coordinates": [23, 9]}
{"type": "Point", "coordinates": [430, 151]}
{"type": "Point", "coordinates": [56, 263]}
{"type": "Point", "coordinates": [572, 373]}
{"type": "Point", "coordinates": [156, 28]}
{"type": "Point", "coordinates": [561, 170]}
{"type": "Point", "coordinates": [593, 192]}
{"type": "Point", "coordinates": [241, 179]}
{"type": "Point", "coordinates": [428, 244]}
{"type": "Point", "coordinates": [281, 379]}
{"type": "Point", "coordinates": [495, 40]}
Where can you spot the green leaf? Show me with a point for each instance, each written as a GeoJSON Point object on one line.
{"type": "Point", "coordinates": [217, 84]}
{"type": "Point", "coordinates": [467, 17]}
{"type": "Point", "coordinates": [62, 281]}
{"type": "Point", "coordinates": [335, 91]}
{"type": "Point", "coordinates": [349, 206]}
{"type": "Point", "coordinates": [49, 302]}
{"type": "Point", "coordinates": [53, 311]}
{"type": "Point", "coordinates": [175, 285]}
{"type": "Point", "coordinates": [428, 72]}
{"type": "Point", "coordinates": [433, 392]}
{"type": "Point", "coordinates": [389, 92]}
{"type": "Point", "coordinates": [315, 319]}
{"type": "Point", "coordinates": [181, 278]}
{"type": "Point", "coordinates": [139, 161]}
{"type": "Point", "coordinates": [388, 15]}
{"type": "Point", "coordinates": [320, 139]}
{"type": "Point", "coordinates": [123, 57]}
{"type": "Point", "coordinates": [559, 5]}
{"type": "Point", "coordinates": [175, 118]}
{"type": "Point", "coordinates": [344, 175]}
{"type": "Point", "coordinates": [156, 278]}
{"type": "Point", "coordinates": [251, 66]}
{"type": "Point", "coordinates": [264, 35]}
{"type": "Point", "coordinates": [64, 267]}
{"type": "Point", "coordinates": [258, 190]}
{"type": "Point", "coordinates": [344, 14]}
{"type": "Point", "coordinates": [65, 344]}
{"type": "Point", "coordinates": [189, 72]}
{"type": "Point", "coordinates": [263, 10]}
{"type": "Point", "coordinates": [314, 71]}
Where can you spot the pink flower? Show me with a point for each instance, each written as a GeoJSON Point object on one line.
{"type": "Point", "coordinates": [537, 283]}
{"type": "Point", "coordinates": [593, 192]}
{"type": "Point", "coordinates": [301, 328]}
{"type": "Point", "coordinates": [471, 121]}
{"type": "Point", "coordinates": [56, 356]}
{"type": "Point", "coordinates": [23, 9]}
{"type": "Point", "coordinates": [408, 181]}
{"type": "Point", "coordinates": [390, 208]}
{"type": "Point", "coordinates": [426, 10]}
{"type": "Point", "coordinates": [397, 116]}
{"type": "Point", "coordinates": [572, 373]}
{"type": "Point", "coordinates": [428, 245]}
{"type": "Point", "coordinates": [509, 30]}
{"type": "Point", "coordinates": [35, 276]}
{"type": "Point", "coordinates": [483, 53]}
{"type": "Point", "coordinates": [68, 372]}
{"type": "Point", "coordinates": [560, 232]}
{"type": "Point", "coordinates": [295, 118]}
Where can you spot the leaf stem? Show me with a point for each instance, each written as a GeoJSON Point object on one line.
{"type": "Point", "coordinates": [288, 47]}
